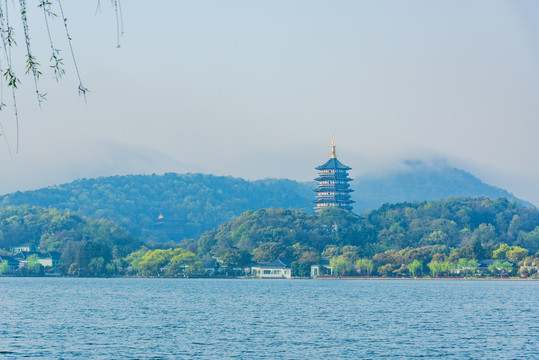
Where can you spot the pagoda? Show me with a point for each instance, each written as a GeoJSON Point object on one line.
{"type": "Point", "coordinates": [333, 184]}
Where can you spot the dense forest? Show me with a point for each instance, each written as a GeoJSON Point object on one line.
{"type": "Point", "coordinates": [86, 246]}
{"type": "Point", "coordinates": [437, 234]}
{"type": "Point", "coordinates": [195, 203]}
{"type": "Point", "coordinates": [400, 239]}
{"type": "Point", "coordinates": [454, 223]}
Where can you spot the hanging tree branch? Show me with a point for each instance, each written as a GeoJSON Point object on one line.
{"type": "Point", "coordinates": [31, 61]}
{"type": "Point", "coordinates": [119, 20]}
{"type": "Point", "coordinates": [56, 60]}
{"type": "Point", "coordinates": [82, 90]}
{"type": "Point", "coordinates": [7, 37]}
{"type": "Point", "coordinates": [8, 40]}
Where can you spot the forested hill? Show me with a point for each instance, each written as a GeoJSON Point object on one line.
{"type": "Point", "coordinates": [85, 245]}
{"type": "Point", "coordinates": [193, 203]}
{"type": "Point", "coordinates": [469, 228]}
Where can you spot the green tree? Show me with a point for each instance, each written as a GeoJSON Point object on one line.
{"type": "Point", "coordinates": [364, 266]}
{"type": "Point", "coordinates": [229, 258]}
{"type": "Point", "coordinates": [506, 268]}
{"type": "Point", "coordinates": [135, 258]}
{"type": "Point", "coordinates": [495, 268]}
{"type": "Point", "coordinates": [300, 269]}
{"type": "Point", "coordinates": [270, 251]}
{"type": "Point", "coordinates": [435, 267]}
{"type": "Point", "coordinates": [97, 266]}
{"type": "Point", "coordinates": [468, 267]}
{"type": "Point", "coordinates": [473, 265]}
{"type": "Point", "coordinates": [341, 266]}
{"type": "Point", "coordinates": [114, 267]}
{"type": "Point", "coordinates": [183, 263]}
{"type": "Point", "coordinates": [386, 270]}
{"type": "Point", "coordinates": [485, 233]}
{"type": "Point", "coordinates": [414, 267]}
{"type": "Point", "coordinates": [33, 266]}
{"type": "Point", "coordinates": [500, 252]}
{"type": "Point", "coordinates": [529, 240]}
{"type": "Point", "coordinates": [4, 267]}
{"type": "Point", "coordinates": [392, 257]}
{"type": "Point", "coordinates": [50, 242]}
{"type": "Point", "coordinates": [152, 262]}
{"type": "Point", "coordinates": [331, 251]}
{"type": "Point", "coordinates": [516, 254]}
{"type": "Point", "coordinates": [435, 237]}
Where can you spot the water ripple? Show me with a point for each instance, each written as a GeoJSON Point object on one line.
{"type": "Point", "coordinates": [248, 319]}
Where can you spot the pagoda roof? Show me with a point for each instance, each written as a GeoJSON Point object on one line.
{"type": "Point", "coordinates": [333, 200]}
{"type": "Point", "coordinates": [335, 178]}
{"type": "Point", "coordinates": [333, 189]}
{"type": "Point", "coordinates": [332, 164]}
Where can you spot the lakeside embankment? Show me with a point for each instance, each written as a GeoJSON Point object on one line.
{"type": "Point", "coordinates": [294, 278]}
{"type": "Point", "coordinates": [420, 278]}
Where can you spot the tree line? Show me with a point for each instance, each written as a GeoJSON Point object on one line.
{"type": "Point", "coordinates": [409, 239]}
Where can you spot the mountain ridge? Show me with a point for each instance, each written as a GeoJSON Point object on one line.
{"type": "Point", "coordinates": [199, 202]}
{"type": "Point", "coordinates": [418, 180]}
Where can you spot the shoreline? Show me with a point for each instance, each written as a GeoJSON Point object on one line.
{"type": "Point", "coordinates": [297, 278]}
{"type": "Point", "coordinates": [425, 278]}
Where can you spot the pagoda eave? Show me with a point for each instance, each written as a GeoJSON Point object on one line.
{"type": "Point", "coordinates": [331, 201]}
{"type": "Point", "coordinates": [331, 178]}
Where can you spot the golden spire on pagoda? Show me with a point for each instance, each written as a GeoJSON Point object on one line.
{"type": "Point", "coordinates": [333, 156]}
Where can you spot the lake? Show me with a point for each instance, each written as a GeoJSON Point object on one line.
{"type": "Point", "coordinates": [68, 318]}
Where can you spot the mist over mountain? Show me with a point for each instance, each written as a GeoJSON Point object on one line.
{"type": "Point", "coordinates": [190, 204]}
{"type": "Point", "coordinates": [418, 180]}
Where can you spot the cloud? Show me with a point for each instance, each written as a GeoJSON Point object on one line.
{"type": "Point", "coordinates": [60, 162]}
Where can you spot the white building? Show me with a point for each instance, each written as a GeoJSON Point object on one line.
{"type": "Point", "coordinates": [272, 270]}
{"type": "Point", "coordinates": [321, 269]}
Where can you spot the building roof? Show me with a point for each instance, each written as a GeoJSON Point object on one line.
{"type": "Point", "coordinates": [487, 263]}
{"type": "Point", "coordinates": [341, 199]}
{"type": "Point", "coordinates": [333, 164]}
{"type": "Point", "coordinates": [324, 262]}
{"type": "Point", "coordinates": [10, 261]}
{"type": "Point", "coordinates": [273, 264]}
{"type": "Point", "coordinates": [23, 255]}
{"type": "Point", "coordinates": [339, 177]}
{"type": "Point", "coordinates": [55, 255]}
{"type": "Point", "coordinates": [332, 189]}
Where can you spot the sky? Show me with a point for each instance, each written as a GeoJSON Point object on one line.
{"type": "Point", "coordinates": [255, 89]}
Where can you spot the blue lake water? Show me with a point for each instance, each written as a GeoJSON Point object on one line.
{"type": "Point", "coordinates": [65, 318]}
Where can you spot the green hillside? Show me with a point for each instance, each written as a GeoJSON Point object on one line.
{"type": "Point", "coordinates": [85, 245]}
{"type": "Point", "coordinates": [390, 239]}
{"type": "Point", "coordinates": [193, 203]}
{"type": "Point", "coordinates": [473, 228]}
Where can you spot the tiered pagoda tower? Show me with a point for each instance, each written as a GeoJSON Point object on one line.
{"type": "Point", "coordinates": [333, 184]}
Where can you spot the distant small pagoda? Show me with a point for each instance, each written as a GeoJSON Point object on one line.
{"type": "Point", "coordinates": [333, 184]}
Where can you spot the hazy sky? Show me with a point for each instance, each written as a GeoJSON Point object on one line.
{"type": "Point", "coordinates": [256, 89]}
